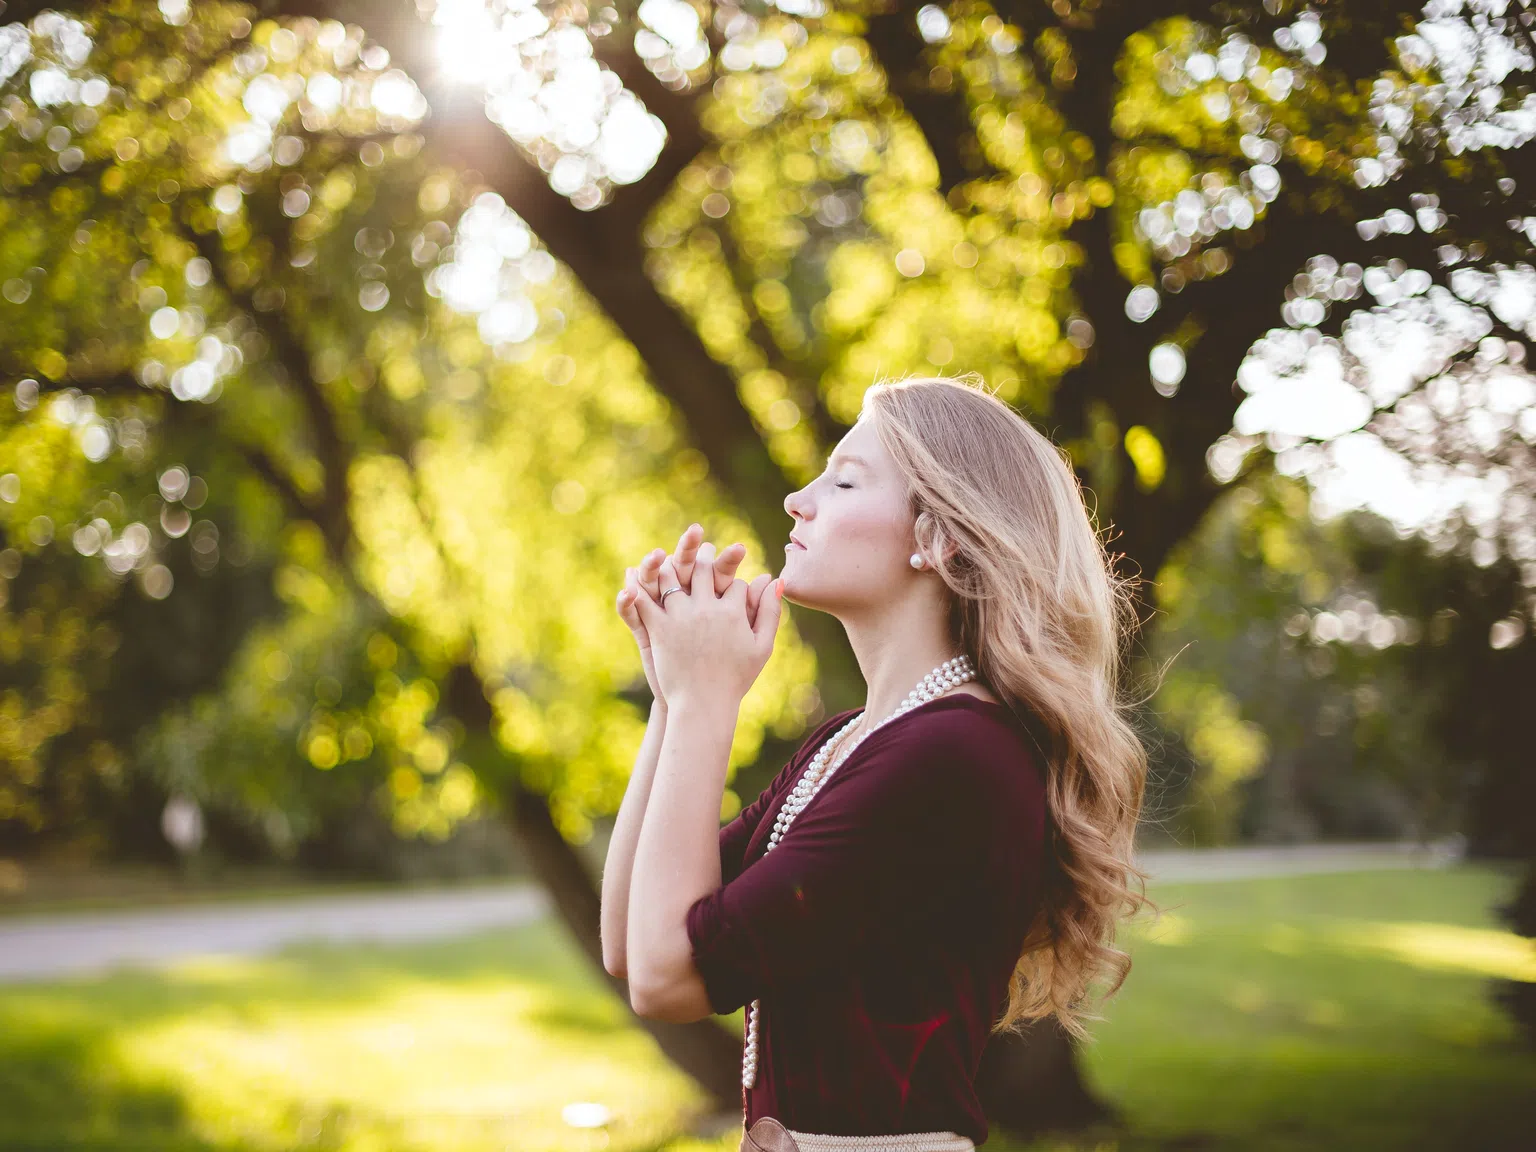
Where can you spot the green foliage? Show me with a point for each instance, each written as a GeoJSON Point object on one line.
{"type": "Point", "coordinates": [265, 344]}
{"type": "Point", "coordinates": [1302, 679]}
{"type": "Point", "coordinates": [267, 327]}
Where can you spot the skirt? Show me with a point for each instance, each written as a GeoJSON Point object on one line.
{"type": "Point", "coordinates": [768, 1135]}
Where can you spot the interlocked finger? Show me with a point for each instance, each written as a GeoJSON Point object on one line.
{"type": "Point", "coordinates": [685, 560]}
{"type": "Point", "coordinates": [686, 553]}
{"type": "Point", "coordinates": [704, 566]}
{"type": "Point", "coordinates": [682, 562]}
{"type": "Point", "coordinates": [726, 566]}
{"type": "Point", "coordinates": [667, 580]}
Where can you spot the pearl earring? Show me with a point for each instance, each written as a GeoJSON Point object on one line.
{"type": "Point", "coordinates": [917, 560]}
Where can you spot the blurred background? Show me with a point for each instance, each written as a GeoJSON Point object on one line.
{"type": "Point", "coordinates": [352, 350]}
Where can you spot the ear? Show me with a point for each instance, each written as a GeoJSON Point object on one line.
{"type": "Point", "coordinates": [924, 519]}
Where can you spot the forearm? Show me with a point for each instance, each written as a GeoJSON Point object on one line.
{"type": "Point", "coordinates": [620, 861]}
{"type": "Point", "coordinates": [677, 859]}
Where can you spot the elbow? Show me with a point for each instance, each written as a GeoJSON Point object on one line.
{"type": "Point", "coordinates": [670, 1002]}
{"type": "Point", "coordinates": [664, 985]}
{"type": "Point", "coordinates": [647, 997]}
{"type": "Point", "coordinates": [646, 1005]}
{"type": "Point", "coordinates": [673, 1002]}
{"type": "Point", "coordinates": [659, 1007]}
{"type": "Point", "coordinates": [612, 939]}
{"type": "Point", "coordinates": [615, 962]}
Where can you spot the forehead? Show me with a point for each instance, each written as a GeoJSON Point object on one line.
{"type": "Point", "coordinates": [859, 448]}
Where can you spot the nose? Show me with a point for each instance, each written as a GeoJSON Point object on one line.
{"type": "Point", "coordinates": [791, 503]}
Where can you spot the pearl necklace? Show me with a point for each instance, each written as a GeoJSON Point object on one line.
{"type": "Point", "coordinates": [946, 676]}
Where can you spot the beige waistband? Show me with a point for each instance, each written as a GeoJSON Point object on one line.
{"type": "Point", "coordinates": [902, 1142]}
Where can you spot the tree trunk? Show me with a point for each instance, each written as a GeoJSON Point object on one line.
{"type": "Point", "coordinates": [1030, 1083]}
{"type": "Point", "coordinates": [705, 1051]}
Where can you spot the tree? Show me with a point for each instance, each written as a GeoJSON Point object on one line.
{"type": "Point", "coordinates": [253, 343]}
{"type": "Point", "coordinates": [1308, 673]}
{"type": "Point", "coordinates": [766, 209]}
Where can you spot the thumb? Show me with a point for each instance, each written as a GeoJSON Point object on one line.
{"type": "Point", "coordinates": [629, 601]}
{"type": "Point", "coordinates": [769, 611]}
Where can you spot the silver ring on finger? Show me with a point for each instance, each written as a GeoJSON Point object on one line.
{"type": "Point", "coordinates": [669, 592]}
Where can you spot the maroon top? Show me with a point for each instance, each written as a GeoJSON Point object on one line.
{"type": "Point", "coordinates": [883, 928]}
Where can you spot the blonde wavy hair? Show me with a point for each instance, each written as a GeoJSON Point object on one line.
{"type": "Point", "coordinates": [1043, 616]}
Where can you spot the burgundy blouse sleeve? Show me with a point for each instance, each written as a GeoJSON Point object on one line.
{"type": "Point", "coordinates": [804, 906]}
{"type": "Point", "coordinates": [735, 835]}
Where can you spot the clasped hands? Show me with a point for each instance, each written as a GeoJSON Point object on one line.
{"type": "Point", "coordinates": [709, 642]}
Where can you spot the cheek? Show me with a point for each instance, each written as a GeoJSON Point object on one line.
{"type": "Point", "coordinates": [866, 529]}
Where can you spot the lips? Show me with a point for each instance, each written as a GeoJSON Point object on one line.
{"type": "Point", "coordinates": [795, 543]}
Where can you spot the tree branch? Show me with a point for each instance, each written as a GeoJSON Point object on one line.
{"type": "Point", "coordinates": [803, 385]}
{"type": "Point", "coordinates": [123, 384]}
{"type": "Point", "coordinates": [334, 454]}
{"type": "Point", "coordinates": [21, 11]}
{"type": "Point", "coordinates": [943, 116]}
{"type": "Point", "coordinates": [602, 248]}
{"type": "Point", "coordinates": [267, 470]}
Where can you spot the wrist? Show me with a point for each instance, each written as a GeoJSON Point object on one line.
{"type": "Point", "coordinates": [703, 702]}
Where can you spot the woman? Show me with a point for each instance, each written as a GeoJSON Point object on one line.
{"type": "Point", "coordinates": [949, 860]}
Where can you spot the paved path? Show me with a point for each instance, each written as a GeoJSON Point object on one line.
{"type": "Point", "coordinates": [1193, 865]}
{"type": "Point", "coordinates": [77, 943]}
{"type": "Point", "coordinates": [82, 943]}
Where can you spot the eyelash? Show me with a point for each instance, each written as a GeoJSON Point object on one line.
{"type": "Point", "coordinates": [845, 485]}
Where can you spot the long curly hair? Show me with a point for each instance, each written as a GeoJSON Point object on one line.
{"type": "Point", "coordinates": [1046, 621]}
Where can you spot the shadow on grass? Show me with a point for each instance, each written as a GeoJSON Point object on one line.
{"type": "Point", "coordinates": [470, 1043]}
{"type": "Point", "coordinates": [60, 1091]}
{"type": "Point", "coordinates": [62, 1087]}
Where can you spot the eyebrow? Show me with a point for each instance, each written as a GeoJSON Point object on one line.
{"type": "Point", "coordinates": [849, 459]}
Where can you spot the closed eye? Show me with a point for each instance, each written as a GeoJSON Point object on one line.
{"type": "Point", "coordinates": [840, 485]}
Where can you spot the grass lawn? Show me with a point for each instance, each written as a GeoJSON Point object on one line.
{"type": "Point", "coordinates": [1322, 1012]}
{"type": "Point", "coordinates": [1313, 1012]}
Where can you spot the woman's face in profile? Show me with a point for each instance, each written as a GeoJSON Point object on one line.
{"type": "Point", "coordinates": [855, 525]}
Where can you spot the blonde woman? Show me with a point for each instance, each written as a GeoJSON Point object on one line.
{"type": "Point", "coordinates": [946, 862]}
